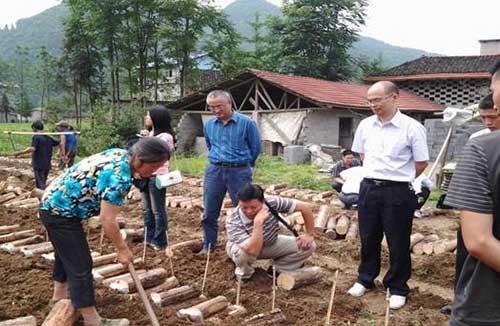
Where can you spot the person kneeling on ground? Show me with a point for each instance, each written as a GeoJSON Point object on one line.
{"type": "Point", "coordinates": [252, 233]}
{"type": "Point", "coordinates": [348, 161]}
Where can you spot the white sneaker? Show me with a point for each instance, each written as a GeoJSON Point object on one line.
{"type": "Point", "coordinates": [357, 290]}
{"type": "Point", "coordinates": [396, 301]}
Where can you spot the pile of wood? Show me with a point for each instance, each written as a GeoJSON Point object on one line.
{"type": "Point", "coordinates": [302, 194]}
{"type": "Point", "coordinates": [183, 202]}
{"type": "Point", "coordinates": [12, 193]}
{"type": "Point", "coordinates": [431, 244]}
{"type": "Point", "coordinates": [337, 226]}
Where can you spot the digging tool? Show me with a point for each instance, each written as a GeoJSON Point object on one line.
{"type": "Point", "coordinates": [142, 294]}
{"type": "Point", "coordinates": [387, 309]}
{"type": "Point", "coordinates": [206, 270]}
{"type": "Point", "coordinates": [273, 304]}
{"type": "Point", "coordinates": [330, 305]}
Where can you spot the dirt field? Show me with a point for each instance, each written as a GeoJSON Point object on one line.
{"type": "Point", "coordinates": [26, 282]}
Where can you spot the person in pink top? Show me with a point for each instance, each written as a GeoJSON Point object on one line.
{"type": "Point", "coordinates": [154, 210]}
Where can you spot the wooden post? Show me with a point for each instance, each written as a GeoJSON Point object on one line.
{"type": "Point", "coordinates": [144, 244]}
{"type": "Point", "coordinates": [183, 293]}
{"type": "Point", "coordinates": [205, 309]}
{"type": "Point", "coordinates": [387, 308]}
{"type": "Point", "coordinates": [292, 280]}
{"type": "Point", "coordinates": [332, 295]}
{"type": "Point", "coordinates": [342, 225]}
{"type": "Point", "coordinates": [273, 305]}
{"type": "Point", "coordinates": [206, 270]}
{"type": "Point", "coordinates": [142, 294]}
{"type": "Point", "coordinates": [321, 219]}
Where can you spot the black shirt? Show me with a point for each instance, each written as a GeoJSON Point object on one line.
{"type": "Point", "coordinates": [43, 151]}
{"type": "Point", "coordinates": [475, 187]}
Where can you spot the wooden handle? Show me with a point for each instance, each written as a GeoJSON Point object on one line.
{"type": "Point", "coordinates": [387, 309]}
{"type": "Point", "coordinates": [142, 294]}
{"type": "Point", "coordinates": [330, 305]}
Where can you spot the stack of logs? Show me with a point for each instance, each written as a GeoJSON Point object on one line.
{"type": "Point", "coordinates": [428, 244]}
{"type": "Point", "coordinates": [12, 194]}
{"type": "Point", "coordinates": [336, 226]}
{"type": "Point", "coordinates": [302, 194]}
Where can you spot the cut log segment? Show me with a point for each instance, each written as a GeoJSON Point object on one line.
{"type": "Point", "coordinates": [16, 246]}
{"type": "Point", "coordinates": [62, 314]}
{"type": "Point", "coordinates": [442, 246]}
{"type": "Point", "coordinates": [204, 310]}
{"type": "Point", "coordinates": [168, 284]}
{"type": "Point", "coordinates": [352, 233]}
{"type": "Point", "coordinates": [416, 238]}
{"type": "Point", "coordinates": [321, 219]}
{"type": "Point", "coordinates": [148, 279]}
{"type": "Point", "coordinates": [418, 249]}
{"type": "Point", "coordinates": [275, 317]}
{"type": "Point", "coordinates": [23, 203]}
{"type": "Point", "coordinates": [17, 235]}
{"type": "Point", "coordinates": [38, 249]}
{"type": "Point", "coordinates": [342, 225]}
{"type": "Point", "coordinates": [36, 193]}
{"type": "Point", "coordinates": [236, 310]}
{"type": "Point", "coordinates": [136, 235]}
{"type": "Point", "coordinates": [8, 196]}
{"type": "Point", "coordinates": [304, 276]}
{"type": "Point", "coordinates": [21, 321]}
{"type": "Point", "coordinates": [189, 243]}
{"type": "Point", "coordinates": [107, 281]}
{"type": "Point", "coordinates": [8, 228]}
{"type": "Point", "coordinates": [277, 186]}
{"type": "Point", "coordinates": [104, 260]}
{"type": "Point", "coordinates": [51, 256]}
{"type": "Point", "coordinates": [106, 271]}
{"type": "Point", "coordinates": [325, 194]}
{"type": "Point", "coordinates": [162, 299]}
{"type": "Point", "coordinates": [428, 247]}
{"type": "Point", "coordinates": [330, 228]}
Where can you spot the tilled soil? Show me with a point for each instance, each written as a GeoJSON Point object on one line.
{"type": "Point", "coordinates": [27, 286]}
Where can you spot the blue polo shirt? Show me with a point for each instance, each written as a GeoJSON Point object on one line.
{"type": "Point", "coordinates": [237, 141]}
{"type": "Point", "coordinates": [42, 155]}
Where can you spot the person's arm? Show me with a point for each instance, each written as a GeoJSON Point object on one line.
{"type": "Point", "coordinates": [305, 240]}
{"type": "Point", "coordinates": [111, 229]}
{"type": "Point", "coordinates": [254, 141]}
{"type": "Point", "coordinates": [62, 147]}
{"type": "Point", "coordinates": [254, 245]}
{"type": "Point", "coordinates": [477, 231]}
{"type": "Point", "coordinates": [420, 167]}
{"type": "Point", "coordinates": [30, 149]}
{"type": "Point", "coordinates": [339, 180]}
{"type": "Point", "coordinates": [358, 142]}
{"type": "Point", "coordinates": [207, 137]}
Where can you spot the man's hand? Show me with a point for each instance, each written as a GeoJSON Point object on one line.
{"type": "Point", "coordinates": [125, 256]}
{"type": "Point", "coordinates": [305, 241]}
{"type": "Point", "coordinates": [261, 216]}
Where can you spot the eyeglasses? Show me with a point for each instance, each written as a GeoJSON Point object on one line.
{"type": "Point", "coordinates": [215, 107]}
{"type": "Point", "coordinates": [378, 100]}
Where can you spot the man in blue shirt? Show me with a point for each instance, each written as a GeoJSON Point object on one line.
{"type": "Point", "coordinates": [41, 154]}
{"type": "Point", "coordinates": [67, 150]}
{"type": "Point", "coordinates": [233, 143]}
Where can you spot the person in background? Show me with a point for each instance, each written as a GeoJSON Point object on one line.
{"type": "Point", "coordinates": [41, 154]}
{"type": "Point", "coordinates": [154, 210]}
{"type": "Point", "coordinates": [97, 185]}
{"type": "Point", "coordinates": [350, 189]}
{"type": "Point", "coordinates": [422, 187]}
{"type": "Point", "coordinates": [348, 161]}
{"type": "Point", "coordinates": [233, 143]}
{"type": "Point", "coordinates": [68, 145]}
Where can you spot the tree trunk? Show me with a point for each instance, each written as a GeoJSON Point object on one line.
{"type": "Point", "coordinates": [342, 225]}
{"type": "Point", "coordinates": [175, 295]}
{"type": "Point", "coordinates": [293, 280]}
{"type": "Point", "coordinates": [352, 233]}
{"type": "Point", "coordinates": [204, 310]}
{"type": "Point", "coordinates": [40, 248]}
{"type": "Point", "coordinates": [148, 279]}
{"type": "Point", "coordinates": [330, 228]}
{"type": "Point", "coordinates": [104, 260]}
{"type": "Point", "coordinates": [321, 219]}
{"type": "Point", "coordinates": [17, 235]}
{"type": "Point", "coordinates": [8, 228]}
{"type": "Point", "coordinates": [62, 314]}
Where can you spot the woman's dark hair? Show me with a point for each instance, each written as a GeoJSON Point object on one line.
{"type": "Point", "coordinates": [37, 125]}
{"type": "Point", "coordinates": [150, 150]}
{"type": "Point", "coordinates": [251, 191]}
{"type": "Point", "coordinates": [162, 122]}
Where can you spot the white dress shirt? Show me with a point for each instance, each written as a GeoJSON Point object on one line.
{"type": "Point", "coordinates": [391, 149]}
{"type": "Point", "coordinates": [352, 179]}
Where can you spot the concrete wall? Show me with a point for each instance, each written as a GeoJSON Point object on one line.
{"type": "Point", "coordinates": [436, 135]}
{"type": "Point", "coordinates": [189, 127]}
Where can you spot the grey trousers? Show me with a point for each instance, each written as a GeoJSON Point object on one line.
{"type": "Point", "coordinates": [284, 252]}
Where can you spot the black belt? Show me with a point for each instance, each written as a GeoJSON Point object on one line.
{"type": "Point", "coordinates": [380, 182]}
{"type": "Point", "coordinates": [231, 165]}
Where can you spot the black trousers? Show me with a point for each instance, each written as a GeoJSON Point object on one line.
{"type": "Point", "coordinates": [462, 254]}
{"type": "Point", "coordinates": [73, 262]}
{"type": "Point", "coordinates": [386, 209]}
{"type": "Point", "coordinates": [41, 178]}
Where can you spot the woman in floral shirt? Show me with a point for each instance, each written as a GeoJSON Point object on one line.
{"type": "Point", "coordinates": [97, 185]}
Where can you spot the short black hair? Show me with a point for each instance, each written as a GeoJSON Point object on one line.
{"type": "Point", "coordinates": [251, 191]}
{"type": "Point", "coordinates": [487, 103]}
{"type": "Point", "coordinates": [495, 68]}
{"type": "Point", "coordinates": [346, 152]}
{"type": "Point", "coordinates": [37, 125]}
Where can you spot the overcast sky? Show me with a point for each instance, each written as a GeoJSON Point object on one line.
{"type": "Point", "coordinates": [448, 27]}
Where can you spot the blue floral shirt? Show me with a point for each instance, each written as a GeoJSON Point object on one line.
{"type": "Point", "coordinates": [79, 191]}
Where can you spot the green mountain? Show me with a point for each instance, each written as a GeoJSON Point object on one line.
{"type": "Point", "coordinates": [46, 29]}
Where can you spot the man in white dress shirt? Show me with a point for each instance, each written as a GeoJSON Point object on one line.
{"type": "Point", "coordinates": [394, 150]}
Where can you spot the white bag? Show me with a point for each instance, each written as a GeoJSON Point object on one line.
{"type": "Point", "coordinates": [169, 179]}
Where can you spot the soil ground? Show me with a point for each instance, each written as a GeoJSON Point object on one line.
{"type": "Point", "coordinates": [26, 282]}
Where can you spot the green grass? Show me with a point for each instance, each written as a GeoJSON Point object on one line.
{"type": "Point", "coordinates": [269, 170]}
{"type": "Point", "coordinates": [20, 141]}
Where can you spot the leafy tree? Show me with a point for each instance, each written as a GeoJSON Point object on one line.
{"type": "Point", "coordinates": [316, 34]}
{"type": "Point", "coordinates": [25, 106]}
{"type": "Point", "coordinates": [371, 67]}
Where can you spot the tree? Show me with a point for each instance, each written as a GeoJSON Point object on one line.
{"type": "Point", "coordinates": [371, 67]}
{"type": "Point", "coordinates": [183, 25]}
{"type": "Point", "coordinates": [316, 34]}
{"type": "Point", "coordinates": [45, 76]}
{"type": "Point", "coordinates": [5, 106]}
{"type": "Point", "coordinates": [25, 107]}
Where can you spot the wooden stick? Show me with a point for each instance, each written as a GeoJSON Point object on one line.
{"type": "Point", "coordinates": [142, 294]}
{"type": "Point", "coordinates": [206, 270]}
{"type": "Point", "coordinates": [169, 255]}
{"type": "Point", "coordinates": [21, 321]}
{"type": "Point", "coordinates": [330, 305]}
{"type": "Point", "coordinates": [101, 240]}
{"type": "Point", "coordinates": [387, 309]}
{"type": "Point", "coordinates": [144, 247]}
{"type": "Point", "coordinates": [273, 305]}
{"type": "Point", "coordinates": [238, 291]}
